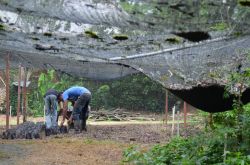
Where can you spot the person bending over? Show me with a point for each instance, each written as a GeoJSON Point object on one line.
{"type": "Point", "coordinates": [50, 101]}
{"type": "Point", "coordinates": [82, 98]}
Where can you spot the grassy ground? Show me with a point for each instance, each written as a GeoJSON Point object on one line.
{"type": "Point", "coordinates": [3, 155]}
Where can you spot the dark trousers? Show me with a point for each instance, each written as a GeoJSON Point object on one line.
{"type": "Point", "coordinates": [80, 110]}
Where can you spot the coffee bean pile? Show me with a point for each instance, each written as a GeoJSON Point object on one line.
{"type": "Point", "coordinates": [31, 130]}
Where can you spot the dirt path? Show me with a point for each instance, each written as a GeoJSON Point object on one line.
{"type": "Point", "coordinates": [61, 151]}
{"type": "Point", "coordinates": [101, 144]}
{"type": "Point", "coordinates": [11, 153]}
{"type": "Point", "coordinates": [132, 133]}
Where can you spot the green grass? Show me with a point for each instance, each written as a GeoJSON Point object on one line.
{"type": "Point", "coordinates": [47, 34]}
{"type": "Point", "coordinates": [120, 37]}
{"type": "Point", "coordinates": [173, 40]}
{"type": "Point", "coordinates": [220, 26]}
{"type": "Point", "coordinates": [2, 27]}
{"type": "Point", "coordinates": [91, 34]}
{"type": "Point", "coordinates": [3, 155]}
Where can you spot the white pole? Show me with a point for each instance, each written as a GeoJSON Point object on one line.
{"type": "Point", "coordinates": [10, 110]}
{"type": "Point", "coordinates": [44, 114]}
{"type": "Point", "coordinates": [173, 111]}
{"type": "Point", "coordinates": [22, 110]}
{"type": "Point", "coordinates": [178, 124]}
{"type": "Point", "coordinates": [225, 148]}
{"type": "Point", "coordinates": [10, 115]}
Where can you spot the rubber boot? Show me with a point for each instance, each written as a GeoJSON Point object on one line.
{"type": "Point", "coordinates": [83, 125]}
{"type": "Point", "coordinates": [77, 123]}
{"type": "Point", "coordinates": [47, 132]}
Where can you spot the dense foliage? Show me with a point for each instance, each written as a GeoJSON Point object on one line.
{"type": "Point", "coordinates": [219, 145]}
{"type": "Point", "coordinates": [136, 92]}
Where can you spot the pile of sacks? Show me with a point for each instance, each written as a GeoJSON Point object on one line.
{"type": "Point", "coordinates": [31, 130]}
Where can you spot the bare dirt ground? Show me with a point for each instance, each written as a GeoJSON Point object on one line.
{"type": "Point", "coordinates": [132, 133]}
{"type": "Point", "coordinates": [63, 151]}
{"type": "Point", "coordinates": [103, 143]}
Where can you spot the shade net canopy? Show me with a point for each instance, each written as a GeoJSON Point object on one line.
{"type": "Point", "coordinates": [184, 45]}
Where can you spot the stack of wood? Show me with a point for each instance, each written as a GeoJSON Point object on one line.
{"type": "Point", "coordinates": [117, 115]}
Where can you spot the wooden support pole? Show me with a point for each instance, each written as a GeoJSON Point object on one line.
{"type": "Point", "coordinates": [210, 120]}
{"type": "Point", "coordinates": [166, 107]}
{"type": "Point", "coordinates": [7, 82]}
{"type": "Point", "coordinates": [19, 93]}
{"type": "Point", "coordinates": [24, 96]}
{"type": "Point", "coordinates": [185, 114]}
{"type": "Point", "coordinates": [178, 122]}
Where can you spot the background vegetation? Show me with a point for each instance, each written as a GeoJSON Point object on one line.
{"type": "Point", "coordinates": [136, 92]}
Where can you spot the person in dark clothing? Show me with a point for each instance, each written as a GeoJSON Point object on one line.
{"type": "Point", "coordinates": [50, 100]}
{"type": "Point", "coordinates": [81, 97]}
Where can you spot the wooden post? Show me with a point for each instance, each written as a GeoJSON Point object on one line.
{"type": "Point", "coordinates": [166, 108]}
{"type": "Point", "coordinates": [7, 91]}
{"type": "Point", "coordinates": [210, 120]}
{"type": "Point", "coordinates": [185, 114]}
{"type": "Point", "coordinates": [178, 123]}
{"type": "Point", "coordinates": [44, 114]}
{"type": "Point", "coordinates": [19, 93]}
{"type": "Point", "coordinates": [225, 149]}
{"type": "Point", "coordinates": [24, 96]}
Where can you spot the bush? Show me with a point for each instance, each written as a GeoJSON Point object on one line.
{"type": "Point", "coordinates": [180, 151]}
{"type": "Point", "coordinates": [214, 146]}
{"type": "Point", "coordinates": [101, 97]}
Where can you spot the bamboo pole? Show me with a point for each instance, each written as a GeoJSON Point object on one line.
{"type": "Point", "coordinates": [185, 114]}
{"type": "Point", "coordinates": [19, 93]}
{"type": "Point", "coordinates": [44, 114]}
{"type": "Point", "coordinates": [166, 108]}
{"type": "Point", "coordinates": [178, 123]}
{"type": "Point", "coordinates": [10, 112]}
{"type": "Point", "coordinates": [24, 96]}
{"type": "Point", "coordinates": [7, 91]}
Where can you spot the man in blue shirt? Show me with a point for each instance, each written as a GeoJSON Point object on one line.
{"type": "Point", "coordinates": [81, 96]}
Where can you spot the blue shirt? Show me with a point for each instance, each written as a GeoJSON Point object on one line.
{"type": "Point", "coordinates": [74, 92]}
